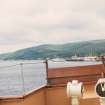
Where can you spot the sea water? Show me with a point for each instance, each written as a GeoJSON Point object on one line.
{"type": "Point", "coordinates": [20, 77]}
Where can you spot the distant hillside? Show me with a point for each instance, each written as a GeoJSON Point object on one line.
{"type": "Point", "coordinates": [96, 47]}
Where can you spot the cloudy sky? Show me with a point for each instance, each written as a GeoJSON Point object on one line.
{"type": "Point", "coordinates": [25, 23]}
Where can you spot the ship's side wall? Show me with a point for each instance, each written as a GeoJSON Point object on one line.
{"type": "Point", "coordinates": [85, 74]}
{"type": "Point", "coordinates": [53, 96]}
{"type": "Point", "coordinates": [35, 98]}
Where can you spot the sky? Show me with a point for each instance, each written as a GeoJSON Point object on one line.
{"type": "Point", "coordinates": [26, 23]}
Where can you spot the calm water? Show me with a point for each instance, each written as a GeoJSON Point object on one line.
{"type": "Point", "coordinates": [12, 82]}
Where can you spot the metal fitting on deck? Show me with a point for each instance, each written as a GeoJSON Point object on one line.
{"type": "Point", "coordinates": [100, 90]}
{"type": "Point", "coordinates": [75, 91]}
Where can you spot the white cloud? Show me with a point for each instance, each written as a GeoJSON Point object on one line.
{"type": "Point", "coordinates": [25, 23]}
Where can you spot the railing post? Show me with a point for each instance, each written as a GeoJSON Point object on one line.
{"type": "Point", "coordinates": [46, 63]}
{"type": "Point", "coordinates": [103, 63]}
{"type": "Point", "coordinates": [22, 76]}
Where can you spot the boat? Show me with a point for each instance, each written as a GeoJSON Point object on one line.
{"type": "Point", "coordinates": [75, 58]}
{"type": "Point", "coordinates": [54, 92]}
{"type": "Point", "coordinates": [85, 58]}
{"type": "Point", "coordinates": [91, 58]}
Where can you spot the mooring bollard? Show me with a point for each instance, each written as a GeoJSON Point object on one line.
{"type": "Point", "coordinates": [74, 91]}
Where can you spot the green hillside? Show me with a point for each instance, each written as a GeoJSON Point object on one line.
{"type": "Point", "coordinates": [96, 47]}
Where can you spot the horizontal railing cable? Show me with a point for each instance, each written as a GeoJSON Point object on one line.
{"type": "Point", "coordinates": [3, 67]}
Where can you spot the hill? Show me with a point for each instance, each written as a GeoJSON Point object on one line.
{"type": "Point", "coordinates": [85, 48]}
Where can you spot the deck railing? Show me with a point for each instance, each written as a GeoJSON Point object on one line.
{"type": "Point", "coordinates": [20, 78]}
